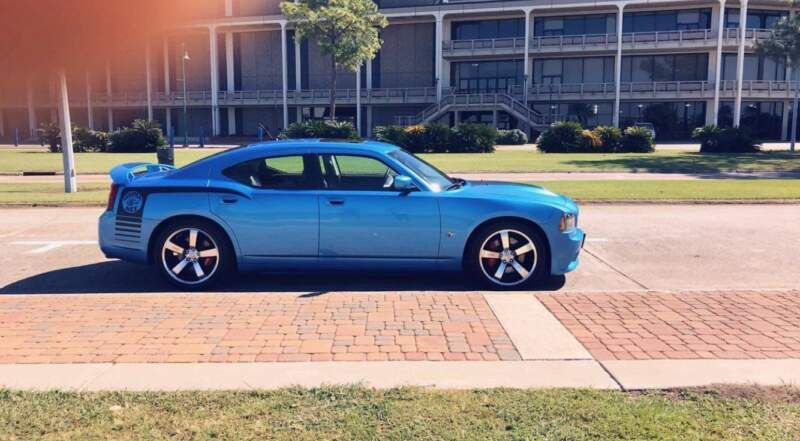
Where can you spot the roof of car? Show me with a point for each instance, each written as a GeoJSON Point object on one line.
{"type": "Point", "coordinates": [367, 145]}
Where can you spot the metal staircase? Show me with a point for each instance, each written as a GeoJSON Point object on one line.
{"type": "Point", "coordinates": [479, 102]}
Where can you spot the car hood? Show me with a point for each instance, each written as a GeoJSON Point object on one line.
{"type": "Point", "coordinates": [520, 192]}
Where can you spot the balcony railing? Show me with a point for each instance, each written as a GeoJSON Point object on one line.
{"type": "Point", "coordinates": [731, 35]}
{"type": "Point", "coordinates": [760, 88]}
{"type": "Point", "coordinates": [491, 45]}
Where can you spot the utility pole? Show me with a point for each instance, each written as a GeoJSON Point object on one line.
{"type": "Point", "coordinates": [184, 59]}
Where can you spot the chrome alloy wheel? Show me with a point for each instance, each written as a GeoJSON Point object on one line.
{"type": "Point", "coordinates": [190, 256]}
{"type": "Point", "coordinates": [508, 257]}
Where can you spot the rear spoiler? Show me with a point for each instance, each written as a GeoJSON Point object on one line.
{"type": "Point", "coordinates": [126, 173]}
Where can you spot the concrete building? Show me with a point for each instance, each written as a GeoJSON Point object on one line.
{"type": "Point", "coordinates": [518, 63]}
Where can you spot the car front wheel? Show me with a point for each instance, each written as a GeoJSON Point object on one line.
{"type": "Point", "coordinates": [193, 255]}
{"type": "Point", "coordinates": [507, 255]}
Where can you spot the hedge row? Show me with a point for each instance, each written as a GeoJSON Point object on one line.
{"type": "Point", "coordinates": [143, 136]}
{"type": "Point", "coordinates": [571, 137]}
{"type": "Point", "coordinates": [316, 128]}
{"type": "Point", "coordinates": [439, 138]}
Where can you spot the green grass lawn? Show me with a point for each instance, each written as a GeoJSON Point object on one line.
{"type": "Point", "coordinates": [15, 161]}
{"type": "Point", "coordinates": [582, 191]}
{"type": "Point", "coordinates": [353, 413]}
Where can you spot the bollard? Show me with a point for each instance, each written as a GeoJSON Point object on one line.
{"type": "Point", "coordinates": [202, 138]}
{"type": "Point", "coordinates": [260, 134]}
{"type": "Point", "coordinates": [16, 137]}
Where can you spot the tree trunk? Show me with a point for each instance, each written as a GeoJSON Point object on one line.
{"type": "Point", "coordinates": [334, 76]}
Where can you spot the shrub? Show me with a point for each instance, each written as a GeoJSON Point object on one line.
{"type": "Point", "coordinates": [561, 137]}
{"type": "Point", "coordinates": [511, 137]}
{"type": "Point", "coordinates": [88, 140]}
{"type": "Point", "coordinates": [590, 142]}
{"type": "Point", "coordinates": [392, 134]}
{"type": "Point", "coordinates": [636, 140]}
{"type": "Point", "coordinates": [610, 138]}
{"type": "Point", "coordinates": [317, 128]}
{"type": "Point", "coordinates": [50, 134]}
{"type": "Point", "coordinates": [473, 138]}
{"type": "Point", "coordinates": [730, 140]}
{"type": "Point", "coordinates": [439, 138]}
{"type": "Point", "coordinates": [416, 139]}
{"type": "Point", "coordinates": [142, 136]}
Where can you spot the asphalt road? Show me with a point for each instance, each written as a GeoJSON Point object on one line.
{"type": "Point", "coordinates": [630, 248]}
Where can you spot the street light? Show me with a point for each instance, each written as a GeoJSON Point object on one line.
{"type": "Point", "coordinates": [184, 59]}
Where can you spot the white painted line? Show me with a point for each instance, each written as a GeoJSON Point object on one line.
{"type": "Point", "coordinates": [662, 374]}
{"type": "Point", "coordinates": [50, 245]}
{"type": "Point", "coordinates": [534, 331]}
{"type": "Point", "coordinates": [215, 376]}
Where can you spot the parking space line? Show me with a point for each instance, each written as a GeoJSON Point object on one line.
{"type": "Point", "coordinates": [44, 246]}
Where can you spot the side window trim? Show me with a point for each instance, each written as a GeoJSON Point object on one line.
{"type": "Point", "coordinates": [334, 162]}
{"type": "Point", "coordinates": [312, 175]}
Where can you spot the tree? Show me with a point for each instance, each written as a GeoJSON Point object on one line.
{"type": "Point", "coordinates": [784, 45]}
{"type": "Point", "coordinates": [345, 30]}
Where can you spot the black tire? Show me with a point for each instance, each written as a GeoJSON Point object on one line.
{"type": "Point", "coordinates": [208, 237]}
{"type": "Point", "coordinates": [483, 269]}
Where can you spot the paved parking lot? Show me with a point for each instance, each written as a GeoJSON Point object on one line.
{"type": "Point", "coordinates": [661, 289]}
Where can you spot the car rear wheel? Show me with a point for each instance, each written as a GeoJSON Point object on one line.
{"type": "Point", "coordinates": [507, 255]}
{"type": "Point", "coordinates": [193, 255]}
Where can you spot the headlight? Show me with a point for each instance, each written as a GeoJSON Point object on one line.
{"type": "Point", "coordinates": [569, 221]}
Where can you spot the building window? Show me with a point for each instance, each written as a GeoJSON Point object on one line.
{"type": "Point", "coordinates": [488, 29]}
{"type": "Point", "coordinates": [763, 119]}
{"type": "Point", "coordinates": [672, 120]}
{"type": "Point", "coordinates": [486, 76]}
{"type": "Point", "coordinates": [756, 68]}
{"type": "Point", "coordinates": [575, 25]}
{"type": "Point", "coordinates": [756, 19]}
{"type": "Point", "coordinates": [589, 114]}
{"type": "Point", "coordinates": [573, 70]}
{"type": "Point", "coordinates": [687, 19]}
{"type": "Point", "coordinates": [662, 68]}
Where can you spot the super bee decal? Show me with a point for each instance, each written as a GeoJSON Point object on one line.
{"type": "Point", "coordinates": [132, 202]}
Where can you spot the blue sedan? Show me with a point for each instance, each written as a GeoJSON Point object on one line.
{"type": "Point", "coordinates": [308, 205]}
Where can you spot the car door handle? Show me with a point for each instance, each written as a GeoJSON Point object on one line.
{"type": "Point", "coordinates": [336, 201]}
{"type": "Point", "coordinates": [230, 200]}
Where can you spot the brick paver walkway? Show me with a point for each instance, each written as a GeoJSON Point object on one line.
{"type": "Point", "coordinates": [683, 325]}
{"type": "Point", "coordinates": [249, 327]}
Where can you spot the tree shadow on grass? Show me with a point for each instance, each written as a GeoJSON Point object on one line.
{"type": "Point", "coordinates": [696, 163]}
{"type": "Point", "coordinates": [121, 277]}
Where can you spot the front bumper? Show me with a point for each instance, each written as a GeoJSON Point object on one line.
{"type": "Point", "coordinates": [565, 251]}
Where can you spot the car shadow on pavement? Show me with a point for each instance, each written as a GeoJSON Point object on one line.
{"type": "Point", "coordinates": [121, 277]}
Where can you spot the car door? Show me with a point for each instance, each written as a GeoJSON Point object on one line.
{"type": "Point", "coordinates": [278, 224]}
{"type": "Point", "coordinates": [363, 217]}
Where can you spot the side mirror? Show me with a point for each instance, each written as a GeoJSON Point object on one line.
{"type": "Point", "coordinates": [404, 184]}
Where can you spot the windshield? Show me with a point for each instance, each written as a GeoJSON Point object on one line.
{"type": "Point", "coordinates": [430, 174]}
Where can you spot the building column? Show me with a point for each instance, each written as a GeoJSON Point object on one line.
{"type": "Point", "coordinates": [213, 56]}
{"type": "Point", "coordinates": [89, 105]}
{"type": "Point", "coordinates": [109, 110]}
{"type": "Point", "coordinates": [32, 123]}
{"type": "Point", "coordinates": [66, 133]}
{"type": "Point", "coordinates": [285, 75]}
{"type": "Point", "coordinates": [2, 117]}
{"type": "Point", "coordinates": [618, 66]}
{"type": "Point", "coordinates": [369, 89]}
{"type": "Point", "coordinates": [298, 77]}
{"type": "Point", "coordinates": [439, 35]}
{"type": "Point", "coordinates": [167, 84]}
{"type": "Point", "coordinates": [457, 117]}
{"type": "Point", "coordinates": [148, 79]}
{"type": "Point", "coordinates": [787, 107]}
{"type": "Point", "coordinates": [526, 77]}
{"type": "Point", "coordinates": [495, 118]}
{"type": "Point", "coordinates": [230, 78]}
{"type": "Point", "coordinates": [737, 107]}
{"type": "Point", "coordinates": [358, 100]}
{"type": "Point", "coordinates": [718, 67]}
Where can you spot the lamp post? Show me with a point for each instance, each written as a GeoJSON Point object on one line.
{"type": "Point", "coordinates": [184, 59]}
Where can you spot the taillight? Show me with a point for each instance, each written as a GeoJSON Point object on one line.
{"type": "Point", "coordinates": [112, 197]}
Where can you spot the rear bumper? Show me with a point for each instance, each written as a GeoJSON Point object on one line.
{"type": "Point", "coordinates": [113, 249]}
{"type": "Point", "coordinates": [566, 251]}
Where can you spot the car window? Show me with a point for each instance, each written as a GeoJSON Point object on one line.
{"type": "Point", "coordinates": [352, 172]}
{"type": "Point", "coordinates": [282, 172]}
